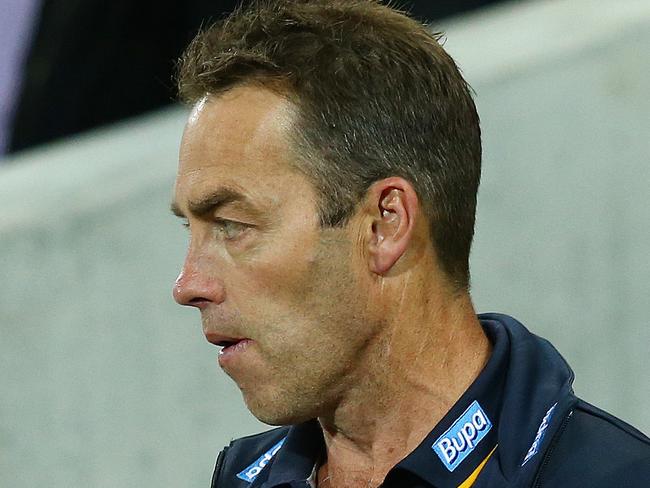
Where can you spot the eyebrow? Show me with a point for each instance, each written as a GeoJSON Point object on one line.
{"type": "Point", "coordinates": [209, 203]}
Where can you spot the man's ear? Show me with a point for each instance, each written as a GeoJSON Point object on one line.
{"type": "Point", "coordinates": [394, 208]}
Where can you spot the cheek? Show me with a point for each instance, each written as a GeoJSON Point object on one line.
{"type": "Point", "coordinates": [300, 295]}
{"type": "Point", "coordinates": [282, 273]}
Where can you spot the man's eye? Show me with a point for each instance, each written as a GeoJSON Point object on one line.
{"type": "Point", "coordinates": [228, 229]}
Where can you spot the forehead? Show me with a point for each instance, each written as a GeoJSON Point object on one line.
{"type": "Point", "coordinates": [237, 140]}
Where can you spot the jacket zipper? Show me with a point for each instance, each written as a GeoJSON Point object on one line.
{"type": "Point", "coordinates": [549, 451]}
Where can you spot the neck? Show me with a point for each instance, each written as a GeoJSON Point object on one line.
{"type": "Point", "coordinates": [412, 375]}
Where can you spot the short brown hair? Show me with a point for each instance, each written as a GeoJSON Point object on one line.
{"type": "Point", "coordinates": [377, 96]}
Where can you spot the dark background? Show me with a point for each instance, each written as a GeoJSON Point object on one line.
{"type": "Point", "coordinates": [93, 62]}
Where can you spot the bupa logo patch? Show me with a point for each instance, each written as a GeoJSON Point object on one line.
{"type": "Point", "coordinates": [251, 472]}
{"type": "Point", "coordinates": [463, 436]}
{"type": "Point", "coordinates": [534, 449]}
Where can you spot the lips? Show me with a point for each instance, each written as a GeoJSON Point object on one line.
{"type": "Point", "coordinates": [223, 340]}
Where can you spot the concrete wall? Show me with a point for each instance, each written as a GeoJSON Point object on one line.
{"type": "Point", "coordinates": [563, 227]}
{"type": "Point", "coordinates": [106, 382]}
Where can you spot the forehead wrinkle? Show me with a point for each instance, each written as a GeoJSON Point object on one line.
{"type": "Point", "coordinates": [224, 196]}
{"type": "Point", "coordinates": [218, 144]}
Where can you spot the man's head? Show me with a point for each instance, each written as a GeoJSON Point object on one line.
{"type": "Point", "coordinates": [333, 148]}
{"type": "Point", "coordinates": [376, 96]}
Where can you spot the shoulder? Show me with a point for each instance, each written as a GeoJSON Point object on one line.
{"type": "Point", "coordinates": [239, 463]}
{"type": "Point", "coordinates": [596, 449]}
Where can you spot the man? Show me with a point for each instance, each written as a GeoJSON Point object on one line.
{"type": "Point", "coordinates": [328, 176]}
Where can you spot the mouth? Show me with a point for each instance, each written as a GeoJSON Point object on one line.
{"type": "Point", "coordinates": [228, 344]}
{"type": "Point", "coordinates": [222, 340]}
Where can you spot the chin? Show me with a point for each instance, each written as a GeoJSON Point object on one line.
{"type": "Point", "coordinates": [279, 410]}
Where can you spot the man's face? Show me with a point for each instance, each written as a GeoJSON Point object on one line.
{"type": "Point", "coordinates": [259, 267]}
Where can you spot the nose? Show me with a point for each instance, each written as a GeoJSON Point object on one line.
{"type": "Point", "coordinates": [195, 287]}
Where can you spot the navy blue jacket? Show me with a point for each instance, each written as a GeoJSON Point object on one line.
{"type": "Point", "coordinates": [518, 425]}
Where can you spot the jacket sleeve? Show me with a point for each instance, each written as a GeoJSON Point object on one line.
{"type": "Point", "coordinates": [597, 450]}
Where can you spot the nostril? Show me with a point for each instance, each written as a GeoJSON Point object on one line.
{"type": "Point", "coordinates": [198, 301]}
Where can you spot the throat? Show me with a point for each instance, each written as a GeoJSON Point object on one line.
{"type": "Point", "coordinates": [400, 396]}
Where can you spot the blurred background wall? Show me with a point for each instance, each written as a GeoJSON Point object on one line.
{"type": "Point", "coordinates": [67, 66]}
{"type": "Point", "coordinates": [107, 382]}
